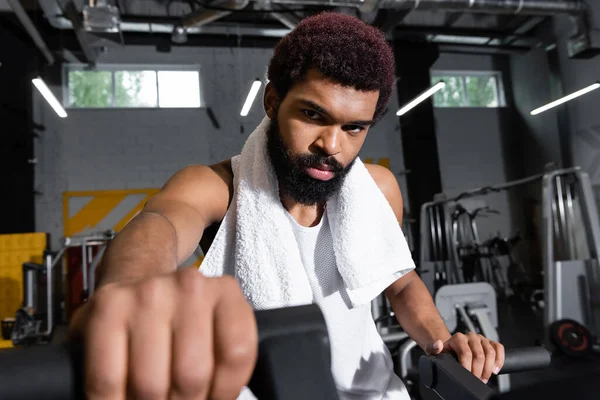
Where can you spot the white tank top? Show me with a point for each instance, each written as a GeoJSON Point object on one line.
{"type": "Point", "coordinates": [361, 362]}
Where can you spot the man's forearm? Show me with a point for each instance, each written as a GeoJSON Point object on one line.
{"type": "Point", "coordinates": [417, 314]}
{"type": "Point", "coordinates": [146, 246]}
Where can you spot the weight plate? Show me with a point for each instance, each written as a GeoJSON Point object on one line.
{"type": "Point", "coordinates": [571, 338]}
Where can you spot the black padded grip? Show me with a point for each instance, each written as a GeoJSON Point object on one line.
{"type": "Point", "coordinates": [49, 372]}
{"type": "Point", "coordinates": [293, 363]}
{"type": "Point", "coordinates": [525, 359]}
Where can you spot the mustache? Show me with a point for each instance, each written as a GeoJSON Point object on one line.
{"type": "Point", "coordinates": [316, 160]}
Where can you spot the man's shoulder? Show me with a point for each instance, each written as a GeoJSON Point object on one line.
{"type": "Point", "coordinates": [382, 176]}
{"type": "Point", "coordinates": [223, 170]}
{"type": "Point", "coordinates": [388, 184]}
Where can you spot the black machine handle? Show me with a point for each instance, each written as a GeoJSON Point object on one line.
{"type": "Point", "coordinates": [526, 359]}
{"type": "Point", "coordinates": [293, 362]}
{"type": "Point", "coordinates": [443, 374]}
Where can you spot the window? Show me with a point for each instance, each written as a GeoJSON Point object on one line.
{"type": "Point", "coordinates": [468, 89]}
{"type": "Point", "coordinates": [132, 87]}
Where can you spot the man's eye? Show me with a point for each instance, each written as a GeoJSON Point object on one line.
{"type": "Point", "coordinates": [354, 128]}
{"type": "Point", "coordinates": [311, 114]}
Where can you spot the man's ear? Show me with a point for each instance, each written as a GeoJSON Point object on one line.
{"type": "Point", "coordinates": [271, 101]}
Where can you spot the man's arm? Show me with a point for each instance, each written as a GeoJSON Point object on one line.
{"type": "Point", "coordinates": [167, 231]}
{"type": "Point", "coordinates": [416, 311]}
{"type": "Point", "coordinates": [409, 297]}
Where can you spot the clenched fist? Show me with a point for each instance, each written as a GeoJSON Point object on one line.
{"type": "Point", "coordinates": [174, 336]}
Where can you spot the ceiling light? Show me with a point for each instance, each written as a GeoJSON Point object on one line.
{"type": "Point", "coordinates": [49, 96]}
{"type": "Point", "coordinates": [566, 98]}
{"type": "Point", "coordinates": [429, 92]}
{"type": "Point", "coordinates": [251, 96]}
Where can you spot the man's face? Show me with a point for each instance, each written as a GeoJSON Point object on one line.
{"type": "Point", "coordinates": [315, 135]}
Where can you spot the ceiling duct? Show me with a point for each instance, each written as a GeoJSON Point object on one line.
{"type": "Point", "coordinates": [99, 16]}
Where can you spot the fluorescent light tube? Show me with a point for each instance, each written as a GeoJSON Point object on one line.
{"type": "Point", "coordinates": [251, 96]}
{"type": "Point", "coordinates": [429, 92]}
{"type": "Point", "coordinates": [565, 99]}
{"type": "Point", "coordinates": [49, 96]}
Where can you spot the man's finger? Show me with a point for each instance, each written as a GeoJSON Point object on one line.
{"type": "Point", "coordinates": [236, 344]}
{"type": "Point", "coordinates": [193, 359]}
{"type": "Point", "coordinates": [499, 357]}
{"type": "Point", "coordinates": [460, 345]}
{"type": "Point", "coordinates": [490, 360]}
{"type": "Point", "coordinates": [478, 355]}
{"type": "Point", "coordinates": [149, 374]}
{"type": "Point", "coordinates": [435, 347]}
{"type": "Point", "coordinates": [105, 341]}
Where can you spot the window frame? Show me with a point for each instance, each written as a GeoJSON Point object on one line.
{"type": "Point", "coordinates": [113, 68]}
{"type": "Point", "coordinates": [475, 73]}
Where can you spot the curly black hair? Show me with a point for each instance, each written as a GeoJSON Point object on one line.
{"type": "Point", "coordinates": [342, 48]}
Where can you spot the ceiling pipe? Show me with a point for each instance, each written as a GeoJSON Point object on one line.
{"type": "Point", "coordinates": [525, 7]}
{"type": "Point", "coordinates": [206, 16]}
{"type": "Point", "coordinates": [31, 29]}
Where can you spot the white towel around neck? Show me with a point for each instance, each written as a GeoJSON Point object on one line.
{"type": "Point", "coordinates": [256, 244]}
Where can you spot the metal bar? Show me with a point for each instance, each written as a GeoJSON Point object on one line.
{"type": "Point", "coordinates": [571, 221]}
{"type": "Point", "coordinates": [425, 225]}
{"type": "Point", "coordinates": [93, 266]}
{"type": "Point", "coordinates": [49, 297]}
{"type": "Point", "coordinates": [465, 318]}
{"type": "Point", "coordinates": [525, 7]}
{"type": "Point", "coordinates": [84, 266]}
{"type": "Point", "coordinates": [562, 216]}
{"type": "Point", "coordinates": [549, 263]}
{"type": "Point", "coordinates": [493, 188]}
{"type": "Point", "coordinates": [29, 297]}
{"type": "Point", "coordinates": [431, 212]}
{"type": "Point", "coordinates": [205, 16]}
{"type": "Point", "coordinates": [391, 337]}
{"type": "Point", "coordinates": [31, 29]}
{"type": "Point", "coordinates": [90, 53]}
{"type": "Point", "coordinates": [404, 357]}
{"type": "Point", "coordinates": [453, 266]}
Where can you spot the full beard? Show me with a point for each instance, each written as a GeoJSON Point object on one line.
{"type": "Point", "coordinates": [291, 171]}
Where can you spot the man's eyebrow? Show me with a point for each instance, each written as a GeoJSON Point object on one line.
{"type": "Point", "coordinates": [320, 109]}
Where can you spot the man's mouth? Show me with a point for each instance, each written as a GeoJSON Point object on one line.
{"type": "Point", "coordinates": [321, 172]}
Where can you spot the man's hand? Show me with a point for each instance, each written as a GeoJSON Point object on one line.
{"type": "Point", "coordinates": [178, 336]}
{"type": "Point", "coordinates": [476, 353]}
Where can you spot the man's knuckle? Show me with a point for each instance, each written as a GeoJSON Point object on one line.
{"type": "Point", "coordinates": [151, 292]}
{"type": "Point", "coordinates": [193, 382]}
{"type": "Point", "coordinates": [101, 385]}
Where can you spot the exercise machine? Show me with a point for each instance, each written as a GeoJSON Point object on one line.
{"type": "Point", "coordinates": [297, 333]}
{"type": "Point", "coordinates": [571, 250]}
{"type": "Point", "coordinates": [465, 307]}
{"type": "Point", "coordinates": [570, 244]}
{"type": "Point", "coordinates": [34, 321]}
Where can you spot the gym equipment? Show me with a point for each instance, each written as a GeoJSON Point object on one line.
{"type": "Point", "coordinates": [34, 321]}
{"type": "Point", "coordinates": [438, 252]}
{"type": "Point", "coordinates": [293, 362]}
{"type": "Point", "coordinates": [571, 338]}
{"type": "Point", "coordinates": [570, 243]}
{"type": "Point", "coordinates": [297, 333]}
{"type": "Point", "coordinates": [571, 250]}
{"type": "Point", "coordinates": [442, 377]}
{"type": "Point", "coordinates": [465, 307]}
